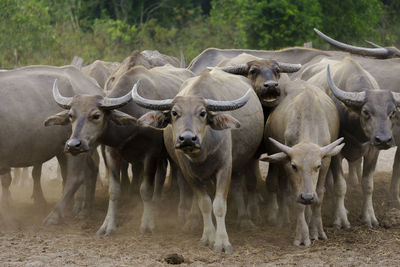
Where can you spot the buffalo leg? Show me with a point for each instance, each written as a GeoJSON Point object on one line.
{"type": "Point", "coordinates": [340, 188]}
{"type": "Point", "coordinates": [316, 227]}
{"type": "Point", "coordinates": [272, 197]}
{"type": "Point", "coordinates": [302, 233]}
{"type": "Point", "coordinates": [219, 207]}
{"type": "Point", "coordinates": [75, 166]}
{"type": "Point", "coordinates": [125, 183]}
{"type": "Point", "coordinates": [395, 183]}
{"type": "Point", "coordinates": [205, 205]}
{"type": "Point", "coordinates": [147, 192]}
{"type": "Point", "coordinates": [113, 160]}
{"type": "Point", "coordinates": [252, 175]}
{"type": "Point", "coordinates": [37, 193]}
{"type": "Point", "coordinates": [185, 194]}
{"type": "Point", "coordinates": [160, 179]}
{"type": "Point", "coordinates": [355, 172]}
{"type": "Point", "coordinates": [367, 182]}
{"type": "Point", "coordinates": [137, 172]}
{"type": "Point", "coordinates": [5, 174]}
{"type": "Point", "coordinates": [244, 221]}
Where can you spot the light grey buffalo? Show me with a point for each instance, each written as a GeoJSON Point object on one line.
{"type": "Point", "coordinates": [100, 70]}
{"type": "Point", "coordinates": [111, 121]}
{"type": "Point", "coordinates": [200, 141]}
{"type": "Point", "coordinates": [300, 136]}
{"type": "Point", "coordinates": [367, 118]}
{"type": "Point", "coordinates": [26, 100]}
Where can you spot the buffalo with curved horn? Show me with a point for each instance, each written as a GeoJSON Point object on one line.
{"type": "Point", "coordinates": [200, 141]}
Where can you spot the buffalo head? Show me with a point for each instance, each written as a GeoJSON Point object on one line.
{"type": "Point", "coordinates": [377, 110]}
{"type": "Point", "coordinates": [264, 75]}
{"type": "Point", "coordinates": [302, 163]}
{"type": "Point", "coordinates": [88, 115]}
{"type": "Point", "coordinates": [189, 117]}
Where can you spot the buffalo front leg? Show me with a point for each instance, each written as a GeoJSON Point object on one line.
{"type": "Point", "coordinates": [37, 193]}
{"type": "Point", "coordinates": [355, 172]}
{"type": "Point", "coordinates": [340, 188]}
{"type": "Point", "coordinates": [205, 205]}
{"type": "Point", "coordinates": [395, 183]}
{"type": "Point", "coordinates": [109, 225]}
{"type": "Point", "coordinates": [252, 176]}
{"type": "Point", "coordinates": [367, 182]}
{"type": "Point", "coordinates": [5, 175]}
{"type": "Point", "coordinates": [146, 192]}
{"type": "Point", "coordinates": [302, 233]}
{"type": "Point", "coordinates": [272, 185]}
{"type": "Point", "coordinates": [219, 206]}
{"type": "Point", "coordinates": [244, 221]}
{"type": "Point", "coordinates": [316, 227]}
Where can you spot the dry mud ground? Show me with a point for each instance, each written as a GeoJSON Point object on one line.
{"type": "Point", "coordinates": [25, 242]}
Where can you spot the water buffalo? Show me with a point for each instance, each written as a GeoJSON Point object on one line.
{"type": "Point", "coordinates": [26, 142]}
{"type": "Point", "coordinates": [367, 118]}
{"type": "Point", "coordinates": [263, 74]}
{"type": "Point", "coordinates": [301, 131]}
{"type": "Point", "coordinates": [107, 120]}
{"type": "Point", "coordinates": [198, 138]}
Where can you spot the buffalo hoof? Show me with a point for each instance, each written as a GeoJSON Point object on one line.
{"type": "Point", "coordinates": [108, 228]}
{"type": "Point", "coordinates": [370, 222]}
{"type": "Point", "coordinates": [39, 201]}
{"type": "Point", "coordinates": [223, 248]}
{"type": "Point", "coordinates": [79, 206]}
{"type": "Point", "coordinates": [318, 235]}
{"type": "Point", "coordinates": [395, 203]}
{"type": "Point", "coordinates": [53, 218]}
{"type": "Point", "coordinates": [303, 241]}
{"type": "Point", "coordinates": [147, 229]}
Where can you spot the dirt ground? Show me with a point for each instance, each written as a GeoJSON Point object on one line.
{"type": "Point", "coordinates": [24, 241]}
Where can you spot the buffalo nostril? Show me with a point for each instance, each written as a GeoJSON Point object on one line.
{"type": "Point", "coordinates": [378, 139]}
{"type": "Point", "coordinates": [194, 138]}
{"type": "Point", "coordinates": [307, 197]}
{"type": "Point", "coordinates": [181, 138]}
{"type": "Point", "coordinates": [74, 143]}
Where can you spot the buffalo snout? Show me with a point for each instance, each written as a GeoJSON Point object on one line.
{"type": "Point", "coordinates": [187, 141]}
{"type": "Point", "coordinates": [75, 146]}
{"type": "Point", "coordinates": [271, 85]}
{"type": "Point", "coordinates": [383, 141]}
{"type": "Point", "coordinates": [306, 198]}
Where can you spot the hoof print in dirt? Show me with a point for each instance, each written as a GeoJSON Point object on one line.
{"type": "Point", "coordinates": [174, 259]}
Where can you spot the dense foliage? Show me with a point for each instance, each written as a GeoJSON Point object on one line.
{"type": "Point", "coordinates": [53, 31]}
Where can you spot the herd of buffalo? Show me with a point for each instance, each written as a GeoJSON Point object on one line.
{"type": "Point", "coordinates": [302, 110]}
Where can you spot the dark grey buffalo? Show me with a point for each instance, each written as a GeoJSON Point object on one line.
{"type": "Point", "coordinates": [198, 138]}
{"type": "Point", "coordinates": [301, 131]}
{"type": "Point", "coordinates": [26, 100]}
{"type": "Point", "coordinates": [97, 119]}
{"type": "Point", "coordinates": [263, 73]}
{"type": "Point", "coordinates": [367, 118]}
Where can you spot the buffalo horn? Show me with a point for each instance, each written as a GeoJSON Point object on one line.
{"type": "Point", "coordinates": [372, 52]}
{"type": "Point", "coordinates": [148, 103]}
{"type": "Point", "coordinates": [284, 148]}
{"type": "Point", "coordinates": [62, 101]}
{"type": "Point", "coordinates": [215, 105]}
{"type": "Point", "coordinates": [348, 98]}
{"type": "Point", "coordinates": [287, 67]}
{"type": "Point", "coordinates": [241, 69]}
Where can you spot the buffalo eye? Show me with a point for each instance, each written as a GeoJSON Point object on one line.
{"type": "Point", "coordinates": [70, 116]}
{"type": "Point", "coordinates": [366, 114]}
{"type": "Point", "coordinates": [294, 167]}
{"type": "Point", "coordinates": [277, 70]}
{"type": "Point", "coordinates": [253, 71]}
{"type": "Point", "coordinates": [203, 114]}
{"type": "Point", "coordinates": [95, 117]}
{"type": "Point", "coordinates": [318, 167]}
{"type": "Point", "coordinates": [174, 113]}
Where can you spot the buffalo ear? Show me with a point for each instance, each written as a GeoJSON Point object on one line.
{"type": "Point", "coordinates": [156, 119]}
{"type": "Point", "coordinates": [121, 118]}
{"type": "Point", "coordinates": [61, 118]}
{"type": "Point", "coordinates": [275, 158]}
{"type": "Point", "coordinates": [221, 121]}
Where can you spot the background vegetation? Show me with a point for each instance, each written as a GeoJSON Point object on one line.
{"type": "Point", "coordinates": [53, 31]}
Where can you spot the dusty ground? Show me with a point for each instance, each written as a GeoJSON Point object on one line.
{"type": "Point", "coordinates": [24, 241]}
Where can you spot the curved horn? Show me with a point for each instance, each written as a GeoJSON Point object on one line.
{"type": "Point", "coordinates": [215, 105]}
{"type": "Point", "coordinates": [149, 103]}
{"type": "Point", "coordinates": [326, 149]}
{"type": "Point", "coordinates": [349, 98]}
{"type": "Point", "coordinates": [62, 101]}
{"type": "Point", "coordinates": [287, 67]}
{"type": "Point", "coordinates": [372, 52]}
{"type": "Point", "coordinates": [373, 44]}
{"type": "Point", "coordinates": [241, 69]}
{"type": "Point", "coordinates": [282, 147]}
{"type": "Point", "coordinates": [114, 103]}
{"type": "Point", "coordinates": [396, 97]}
